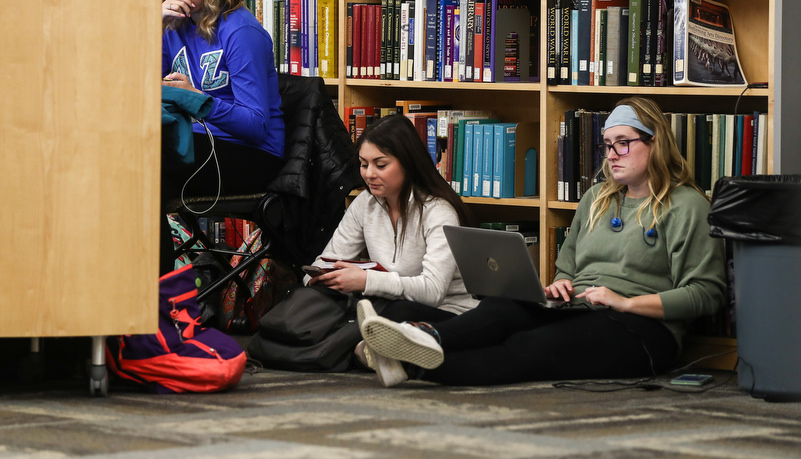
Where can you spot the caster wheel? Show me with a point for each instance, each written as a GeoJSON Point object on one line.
{"type": "Point", "coordinates": [98, 381]}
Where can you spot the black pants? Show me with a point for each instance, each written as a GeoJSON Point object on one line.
{"type": "Point", "coordinates": [504, 342]}
{"type": "Point", "coordinates": [403, 311]}
{"type": "Point", "coordinates": [243, 170]}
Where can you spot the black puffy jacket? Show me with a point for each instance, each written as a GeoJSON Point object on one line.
{"type": "Point", "coordinates": [321, 167]}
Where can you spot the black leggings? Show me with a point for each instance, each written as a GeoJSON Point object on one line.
{"type": "Point", "coordinates": [403, 311]}
{"type": "Point", "coordinates": [504, 342]}
{"type": "Point", "coordinates": [243, 170]}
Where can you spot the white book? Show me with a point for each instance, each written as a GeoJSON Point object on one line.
{"type": "Point", "coordinates": [729, 150]}
{"type": "Point", "coordinates": [462, 40]}
{"type": "Point", "coordinates": [404, 40]}
{"type": "Point", "coordinates": [762, 145]}
{"type": "Point", "coordinates": [715, 148]}
{"type": "Point", "coordinates": [267, 17]}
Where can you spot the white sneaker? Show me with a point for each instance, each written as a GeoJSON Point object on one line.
{"type": "Point", "coordinates": [402, 341]}
{"type": "Point", "coordinates": [364, 310]}
{"type": "Point", "coordinates": [389, 371]}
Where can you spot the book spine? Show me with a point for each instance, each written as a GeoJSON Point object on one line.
{"type": "Point", "coordinates": [661, 50]}
{"type": "Point", "coordinates": [679, 41]}
{"type": "Point", "coordinates": [370, 40]}
{"type": "Point", "coordinates": [431, 144]}
{"type": "Point", "coordinates": [420, 41]}
{"type": "Point", "coordinates": [584, 38]}
{"type": "Point", "coordinates": [412, 38]}
{"type": "Point", "coordinates": [478, 41]}
{"type": "Point", "coordinates": [404, 40]}
{"type": "Point", "coordinates": [602, 37]}
{"type": "Point", "coordinates": [489, 41]}
{"type": "Point", "coordinates": [377, 73]}
{"type": "Point", "coordinates": [565, 74]}
{"type": "Point", "coordinates": [574, 47]}
{"type": "Point", "coordinates": [613, 44]}
{"type": "Point", "coordinates": [467, 183]}
{"type": "Point", "coordinates": [648, 47]}
{"type": "Point", "coordinates": [328, 36]}
{"type": "Point", "coordinates": [385, 30]}
{"type": "Point", "coordinates": [357, 39]}
{"type": "Point", "coordinates": [294, 37]}
{"type": "Point", "coordinates": [395, 38]}
{"type": "Point", "coordinates": [304, 38]}
{"type": "Point", "coordinates": [469, 43]}
{"type": "Point", "coordinates": [431, 41]}
{"type": "Point", "coordinates": [551, 76]}
{"type": "Point", "coordinates": [447, 65]}
{"type": "Point", "coordinates": [487, 160]}
{"type": "Point", "coordinates": [478, 158]}
{"type": "Point", "coordinates": [635, 19]}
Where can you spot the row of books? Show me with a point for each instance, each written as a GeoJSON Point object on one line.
{"type": "Point", "coordinates": [715, 145]}
{"type": "Point", "coordinates": [304, 34]}
{"type": "Point", "coordinates": [472, 149]}
{"type": "Point", "coordinates": [530, 231]}
{"type": "Point", "coordinates": [223, 230]}
{"type": "Point", "coordinates": [641, 43]}
{"type": "Point", "coordinates": [443, 40]}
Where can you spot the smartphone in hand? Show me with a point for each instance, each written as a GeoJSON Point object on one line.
{"type": "Point", "coordinates": [313, 271]}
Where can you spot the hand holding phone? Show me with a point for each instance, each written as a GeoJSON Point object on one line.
{"type": "Point", "coordinates": [313, 271]}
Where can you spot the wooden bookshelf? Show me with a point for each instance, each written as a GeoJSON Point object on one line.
{"type": "Point", "coordinates": [538, 102]}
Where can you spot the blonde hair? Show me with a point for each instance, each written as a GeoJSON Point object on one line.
{"type": "Point", "coordinates": [210, 15]}
{"type": "Point", "coordinates": [666, 169]}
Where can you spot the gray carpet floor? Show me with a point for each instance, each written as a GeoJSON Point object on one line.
{"type": "Point", "coordinates": [277, 414]}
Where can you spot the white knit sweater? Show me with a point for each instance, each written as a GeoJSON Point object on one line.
{"type": "Point", "coordinates": [420, 267]}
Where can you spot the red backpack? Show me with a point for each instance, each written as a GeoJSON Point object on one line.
{"type": "Point", "coordinates": [181, 356]}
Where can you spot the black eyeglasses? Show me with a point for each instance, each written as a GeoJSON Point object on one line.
{"type": "Point", "coordinates": [620, 147]}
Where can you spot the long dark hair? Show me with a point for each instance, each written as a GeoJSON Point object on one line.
{"type": "Point", "coordinates": [396, 135]}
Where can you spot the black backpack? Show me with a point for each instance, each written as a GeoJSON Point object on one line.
{"type": "Point", "coordinates": [312, 329]}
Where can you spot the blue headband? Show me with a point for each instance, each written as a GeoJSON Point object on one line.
{"type": "Point", "coordinates": [624, 115]}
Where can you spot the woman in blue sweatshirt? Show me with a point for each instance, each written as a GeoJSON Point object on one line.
{"type": "Point", "coordinates": [218, 48]}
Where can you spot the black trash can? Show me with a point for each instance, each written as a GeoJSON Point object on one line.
{"type": "Point", "coordinates": [761, 216]}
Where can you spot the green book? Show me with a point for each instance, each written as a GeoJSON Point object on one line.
{"type": "Point", "coordinates": [635, 20]}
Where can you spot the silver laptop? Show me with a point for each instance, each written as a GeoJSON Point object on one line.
{"type": "Point", "coordinates": [497, 263]}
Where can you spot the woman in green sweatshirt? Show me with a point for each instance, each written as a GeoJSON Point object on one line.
{"type": "Point", "coordinates": [639, 244]}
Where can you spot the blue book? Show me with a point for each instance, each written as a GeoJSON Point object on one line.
{"type": "Point", "coordinates": [583, 39]}
{"type": "Point", "coordinates": [738, 145]}
{"type": "Point", "coordinates": [459, 154]}
{"type": "Point", "coordinates": [574, 47]}
{"type": "Point", "coordinates": [430, 60]}
{"type": "Point", "coordinates": [530, 173]}
{"type": "Point", "coordinates": [443, 4]}
{"type": "Point", "coordinates": [431, 139]}
{"type": "Point", "coordinates": [487, 160]}
{"type": "Point", "coordinates": [503, 181]}
{"type": "Point", "coordinates": [478, 158]}
{"type": "Point", "coordinates": [467, 183]}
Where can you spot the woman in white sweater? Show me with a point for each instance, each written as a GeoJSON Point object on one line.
{"type": "Point", "coordinates": [398, 222]}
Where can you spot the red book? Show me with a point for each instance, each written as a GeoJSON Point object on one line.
{"type": "Point", "coordinates": [294, 37]}
{"type": "Point", "coordinates": [419, 121]}
{"type": "Point", "coordinates": [357, 39]}
{"type": "Point", "coordinates": [369, 37]}
{"type": "Point", "coordinates": [478, 42]}
{"type": "Point", "coordinates": [230, 233]}
{"type": "Point", "coordinates": [377, 66]}
{"type": "Point", "coordinates": [748, 144]}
